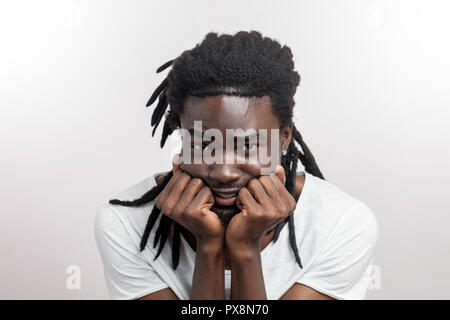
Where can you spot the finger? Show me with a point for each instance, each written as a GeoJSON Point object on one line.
{"type": "Point", "coordinates": [281, 188]}
{"type": "Point", "coordinates": [192, 189]}
{"type": "Point", "coordinates": [269, 187]}
{"type": "Point", "coordinates": [281, 173]}
{"type": "Point", "coordinates": [168, 188]}
{"type": "Point", "coordinates": [203, 201]}
{"type": "Point", "coordinates": [182, 182]}
{"type": "Point", "coordinates": [172, 191]}
{"type": "Point", "coordinates": [166, 191]}
{"type": "Point", "coordinates": [258, 192]}
{"type": "Point", "coordinates": [278, 201]}
{"type": "Point", "coordinates": [247, 200]}
{"type": "Point", "coordinates": [285, 195]}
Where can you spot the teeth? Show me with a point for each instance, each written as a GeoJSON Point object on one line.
{"type": "Point", "coordinates": [225, 196]}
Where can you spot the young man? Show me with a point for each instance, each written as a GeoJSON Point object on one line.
{"type": "Point", "coordinates": [237, 229]}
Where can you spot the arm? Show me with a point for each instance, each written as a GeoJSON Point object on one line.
{"type": "Point", "coordinates": [247, 281]}
{"type": "Point", "coordinates": [164, 294]}
{"type": "Point", "coordinates": [208, 281]}
{"type": "Point", "coordinates": [251, 285]}
{"type": "Point", "coordinates": [208, 273]}
{"type": "Point", "coordinates": [264, 203]}
{"type": "Point", "coordinates": [188, 201]}
{"type": "Point", "coordinates": [301, 292]}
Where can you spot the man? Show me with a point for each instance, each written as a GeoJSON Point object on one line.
{"type": "Point", "coordinates": [238, 227]}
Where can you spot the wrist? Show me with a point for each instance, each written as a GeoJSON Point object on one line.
{"type": "Point", "coordinates": [210, 247]}
{"type": "Point", "coordinates": [243, 250]}
{"type": "Point", "coordinates": [245, 259]}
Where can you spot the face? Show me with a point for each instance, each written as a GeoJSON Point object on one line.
{"type": "Point", "coordinates": [231, 112]}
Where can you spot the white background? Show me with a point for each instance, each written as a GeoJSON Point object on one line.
{"type": "Point", "coordinates": [373, 105]}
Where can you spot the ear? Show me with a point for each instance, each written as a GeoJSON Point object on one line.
{"type": "Point", "coordinates": [286, 136]}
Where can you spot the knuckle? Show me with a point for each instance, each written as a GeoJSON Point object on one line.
{"type": "Point", "coordinates": [167, 209]}
{"type": "Point", "coordinates": [189, 212]}
{"type": "Point", "coordinates": [176, 211]}
{"type": "Point", "coordinates": [271, 209]}
{"type": "Point", "coordinates": [158, 203]}
{"type": "Point", "coordinates": [185, 176]}
{"type": "Point", "coordinates": [259, 214]}
{"type": "Point", "coordinates": [206, 190]}
{"type": "Point", "coordinates": [283, 209]}
{"type": "Point", "coordinates": [197, 182]}
{"type": "Point", "coordinates": [253, 183]}
{"type": "Point", "coordinates": [274, 214]}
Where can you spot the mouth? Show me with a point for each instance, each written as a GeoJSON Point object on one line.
{"type": "Point", "coordinates": [225, 199]}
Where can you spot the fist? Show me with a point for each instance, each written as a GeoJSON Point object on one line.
{"type": "Point", "coordinates": [188, 200]}
{"type": "Point", "coordinates": [264, 203]}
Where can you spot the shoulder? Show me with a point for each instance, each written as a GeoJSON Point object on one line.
{"type": "Point", "coordinates": [113, 220]}
{"type": "Point", "coordinates": [108, 228]}
{"type": "Point", "coordinates": [324, 210]}
{"type": "Point", "coordinates": [300, 181]}
{"type": "Point", "coordinates": [325, 196]}
{"type": "Point", "coordinates": [361, 221]}
{"type": "Point", "coordinates": [339, 264]}
{"type": "Point", "coordinates": [137, 189]}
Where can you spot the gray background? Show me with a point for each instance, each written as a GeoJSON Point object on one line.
{"type": "Point", "coordinates": [373, 106]}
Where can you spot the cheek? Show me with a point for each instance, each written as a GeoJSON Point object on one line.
{"type": "Point", "coordinates": [195, 170]}
{"type": "Point", "coordinates": [252, 170]}
{"type": "Point", "coordinates": [263, 160]}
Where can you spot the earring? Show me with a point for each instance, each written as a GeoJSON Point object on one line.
{"type": "Point", "coordinates": [284, 152]}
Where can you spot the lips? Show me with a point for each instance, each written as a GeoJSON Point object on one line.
{"type": "Point", "coordinates": [225, 198]}
{"type": "Point", "coordinates": [226, 202]}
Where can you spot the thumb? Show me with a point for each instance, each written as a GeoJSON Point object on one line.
{"type": "Point", "coordinates": [176, 162]}
{"type": "Point", "coordinates": [280, 173]}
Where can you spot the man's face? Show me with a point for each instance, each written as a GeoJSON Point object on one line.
{"type": "Point", "coordinates": [226, 177]}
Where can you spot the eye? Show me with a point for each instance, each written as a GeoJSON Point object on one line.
{"type": "Point", "coordinates": [199, 146]}
{"type": "Point", "coordinates": [249, 147]}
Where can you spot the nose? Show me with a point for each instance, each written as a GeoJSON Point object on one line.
{"type": "Point", "coordinates": [224, 175]}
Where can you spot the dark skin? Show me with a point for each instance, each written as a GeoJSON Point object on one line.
{"type": "Point", "coordinates": [262, 203]}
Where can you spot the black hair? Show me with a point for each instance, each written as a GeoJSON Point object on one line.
{"type": "Point", "coordinates": [253, 66]}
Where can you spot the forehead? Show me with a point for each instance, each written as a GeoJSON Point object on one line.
{"type": "Point", "coordinates": [229, 112]}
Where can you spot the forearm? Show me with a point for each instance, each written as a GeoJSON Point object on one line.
{"type": "Point", "coordinates": [247, 280]}
{"type": "Point", "coordinates": [208, 280]}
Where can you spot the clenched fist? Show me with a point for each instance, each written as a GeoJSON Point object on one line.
{"type": "Point", "coordinates": [187, 200]}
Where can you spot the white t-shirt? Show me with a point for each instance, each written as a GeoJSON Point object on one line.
{"type": "Point", "coordinates": [336, 238]}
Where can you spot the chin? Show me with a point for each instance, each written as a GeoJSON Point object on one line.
{"type": "Point", "coordinates": [225, 213]}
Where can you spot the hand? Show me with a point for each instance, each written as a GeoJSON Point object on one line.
{"type": "Point", "coordinates": [264, 203]}
{"type": "Point", "coordinates": [188, 201]}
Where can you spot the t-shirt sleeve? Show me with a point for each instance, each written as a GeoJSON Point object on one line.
{"type": "Point", "coordinates": [341, 268]}
{"type": "Point", "coordinates": [127, 274]}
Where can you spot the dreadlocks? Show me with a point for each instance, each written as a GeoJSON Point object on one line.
{"type": "Point", "coordinates": [254, 66]}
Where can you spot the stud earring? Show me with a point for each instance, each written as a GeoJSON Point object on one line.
{"type": "Point", "coordinates": [284, 152]}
